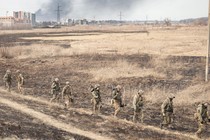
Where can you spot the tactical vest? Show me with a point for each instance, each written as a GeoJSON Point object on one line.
{"type": "Point", "coordinates": [140, 101]}
{"type": "Point", "coordinates": [8, 78]}
{"type": "Point", "coordinates": [56, 86]}
{"type": "Point", "coordinates": [169, 107]}
{"type": "Point", "coordinates": [118, 93]}
{"type": "Point", "coordinates": [96, 93]}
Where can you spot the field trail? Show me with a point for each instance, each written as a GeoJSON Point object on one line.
{"type": "Point", "coordinates": [7, 99]}
{"type": "Point", "coordinates": [51, 121]}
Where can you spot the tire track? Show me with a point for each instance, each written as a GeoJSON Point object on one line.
{"type": "Point", "coordinates": [51, 121]}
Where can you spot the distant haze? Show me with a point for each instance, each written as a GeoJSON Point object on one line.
{"type": "Point", "coordinates": [110, 9]}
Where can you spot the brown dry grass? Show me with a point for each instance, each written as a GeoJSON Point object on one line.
{"type": "Point", "coordinates": [180, 41]}
{"type": "Point", "coordinates": [193, 94]}
{"type": "Point", "coordinates": [38, 51]}
{"type": "Point", "coordinates": [190, 41]}
{"type": "Point", "coordinates": [5, 52]}
{"type": "Point", "coordinates": [119, 69]}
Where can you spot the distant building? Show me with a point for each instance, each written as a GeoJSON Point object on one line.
{"type": "Point", "coordinates": [25, 17]}
{"type": "Point", "coordinates": [81, 22]}
{"type": "Point", "coordinates": [7, 21]}
{"type": "Point", "coordinates": [33, 19]}
{"type": "Point", "coordinates": [19, 20]}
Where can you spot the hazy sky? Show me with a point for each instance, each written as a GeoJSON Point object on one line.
{"type": "Point", "coordinates": [152, 9]}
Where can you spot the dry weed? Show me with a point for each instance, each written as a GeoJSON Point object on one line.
{"type": "Point", "coordinates": [193, 94]}
{"type": "Point", "coordinates": [121, 68]}
{"type": "Point", "coordinates": [5, 52]}
{"type": "Point", "coordinates": [37, 51]}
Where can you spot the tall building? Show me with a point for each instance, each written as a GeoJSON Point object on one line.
{"type": "Point", "coordinates": [33, 19]}
{"type": "Point", "coordinates": [19, 19]}
{"type": "Point", "coordinates": [25, 17]}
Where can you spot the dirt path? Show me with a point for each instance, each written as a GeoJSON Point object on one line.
{"type": "Point", "coordinates": [51, 121]}
{"type": "Point", "coordinates": [68, 128]}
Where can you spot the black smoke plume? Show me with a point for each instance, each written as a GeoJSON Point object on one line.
{"type": "Point", "coordinates": [101, 9]}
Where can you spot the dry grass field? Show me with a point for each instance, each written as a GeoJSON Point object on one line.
{"type": "Point", "coordinates": [159, 60]}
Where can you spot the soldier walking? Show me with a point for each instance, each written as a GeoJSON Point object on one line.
{"type": "Point", "coordinates": [67, 95]}
{"type": "Point", "coordinates": [96, 98]}
{"type": "Point", "coordinates": [20, 82]}
{"type": "Point", "coordinates": [167, 111]}
{"type": "Point", "coordinates": [8, 80]}
{"type": "Point", "coordinates": [138, 104]}
{"type": "Point", "coordinates": [202, 118]}
{"type": "Point", "coordinates": [55, 89]}
{"type": "Point", "coordinates": [117, 99]}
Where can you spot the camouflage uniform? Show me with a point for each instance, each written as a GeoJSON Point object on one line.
{"type": "Point", "coordinates": [96, 98]}
{"type": "Point", "coordinates": [117, 99]}
{"type": "Point", "coordinates": [20, 82]}
{"type": "Point", "coordinates": [55, 89]}
{"type": "Point", "coordinates": [8, 80]}
{"type": "Point", "coordinates": [167, 111]}
{"type": "Point", "coordinates": [138, 103]}
{"type": "Point", "coordinates": [67, 94]}
{"type": "Point", "coordinates": [202, 118]}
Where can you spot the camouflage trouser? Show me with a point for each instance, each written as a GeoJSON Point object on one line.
{"type": "Point", "coordinates": [55, 94]}
{"type": "Point", "coordinates": [138, 112]}
{"type": "Point", "coordinates": [96, 105]}
{"type": "Point", "coordinates": [68, 100]}
{"type": "Point", "coordinates": [167, 119]}
{"type": "Point", "coordinates": [117, 105]}
{"type": "Point", "coordinates": [202, 127]}
{"type": "Point", "coordinates": [8, 86]}
{"type": "Point", "coordinates": [20, 88]}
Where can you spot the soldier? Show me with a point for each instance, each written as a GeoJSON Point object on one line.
{"type": "Point", "coordinates": [96, 99]}
{"type": "Point", "coordinates": [138, 103]}
{"type": "Point", "coordinates": [117, 99]}
{"type": "Point", "coordinates": [67, 94]}
{"type": "Point", "coordinates": [20, 82]}
{"type": "Point", "coordinates": [55, 89]}
{"type": "Point", "coordinates": [167, 111]}
{"type": "Point", "coordinates": [202, 118]}
{"type": "Point", "coordinates": [8, 80]}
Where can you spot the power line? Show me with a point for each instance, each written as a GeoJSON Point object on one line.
{"type": "Point", "coordinates": [120, 16]}
{"type": "Point", "coordinates": [58, 13]}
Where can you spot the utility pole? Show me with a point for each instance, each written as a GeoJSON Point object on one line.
{"type": "Point", "coordinates": [208, 47]}
{"type": "Point", "coordinates": [58, 14]}
{"type": "Point", "coordinates": [120, 16]}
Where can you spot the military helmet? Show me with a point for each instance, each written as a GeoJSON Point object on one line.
{"type": "Point", "coordinates": [118, 87]}
{"type": "Point", "coordinates": [56, 79]}
{"type": "Point", "coordinates": [17, 71]}
{"type": "Point", "coordinates": [97, 86]}
{"type": "Point", "coordinates": [171, 96]}
{"type": "Point", "coordinates": [140, 91]}
{"type": "Point", "coordinates": [205, 104]}
{"type": "Point", "coordinates": [67, 83]}
{"type": "Point", "coordinates": [8, 71]}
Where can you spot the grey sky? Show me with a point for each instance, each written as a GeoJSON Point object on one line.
{"type": "Point", "coordinates": [152, 9]}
